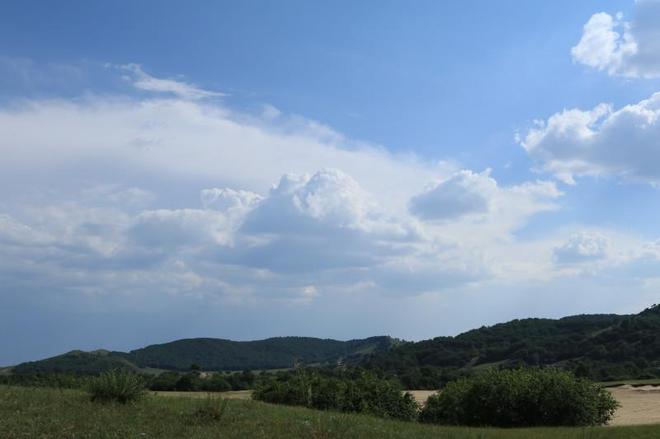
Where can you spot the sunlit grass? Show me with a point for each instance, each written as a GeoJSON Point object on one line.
{"type": "Point", "coordinates": [52, 413]}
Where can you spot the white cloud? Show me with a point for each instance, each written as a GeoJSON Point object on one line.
{"type": "Point", "coordinates": [226, 199]}
{"type": "Point", "coordinates": [582, 247]}
{"type": "Point", "coordinates": [143, 81]}
{"type": "Point", "coordinates": [181, 228]}
{"type": "Point", "coordinates": [175, 142]}
{"type": "Point", "coordinates": [629, 49]}
{"type": "Point", "coordinates": [464, 193]}
{"type": "Point", "coordinates": [176, 196]}
{"type": "Point", "coordinates": [602, 141]}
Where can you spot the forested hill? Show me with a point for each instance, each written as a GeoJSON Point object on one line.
{"type": "Point", "coordinates": [603, 347]}
{"type": "Point", "coordinates": [272, 353]}
{"type": "Point", "coordinates": [216, 354]}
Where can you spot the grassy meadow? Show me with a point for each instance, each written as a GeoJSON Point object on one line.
{"type": "Point", "coordinates": [53, 413]}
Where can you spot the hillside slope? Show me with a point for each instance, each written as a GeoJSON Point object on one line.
{"type": "Point", "coordinates": [216, 354]}
{"type": "Point", "coordinates": [603, 347]}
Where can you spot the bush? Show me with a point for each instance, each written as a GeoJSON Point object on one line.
{"type": "Point", "coordinates": [117, 386]}
{"type": "Point", "coordinates": [363, 394]}
{"type": "Point", "coordinates": [520, 398]}
{"type": "Point", "coordinates": [215, 383]}
{"type": "Point", "coordinates": [211, 410]}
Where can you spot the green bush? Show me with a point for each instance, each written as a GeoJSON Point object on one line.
{"type": "Point", "coordinates": [214, 383]}
{"type": "Point", "coordinates": [117, 386]}
{"type": "Point", "coordinates": [363, 394]}
{"type": "Point", "coordinates": [210, 410]}
{"type": "Point", "coordinates": [520, 398]}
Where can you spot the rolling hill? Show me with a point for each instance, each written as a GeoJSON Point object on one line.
{"type": "Point", "coordinates": [603, 347]}
{"type": "Point", "coordinates": [215, 354]}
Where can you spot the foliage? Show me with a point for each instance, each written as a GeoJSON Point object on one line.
{"type": "Point", "coordinates": [210, 410]}
{"type": "Point", "coordinates": [116, 386]}
{"type": "Point", "coordinates": [206, 382]}
{"type": "Point", "coordinates": [76, 362]}
{"type": "Point", "coordinates": [52, 413]}
{"type": "Point", "coordinates": [199, 354]}
{"type": "Point", "coordinates": [55, 380]}
{"type": "Point", "coordinates": [520, 398]}
{"type": "Point", "coordinates": [599, 347]}
{"type": "Point", "coordinates": [272, 353]}
{"type": "Point", "coordinates": [363, 394]}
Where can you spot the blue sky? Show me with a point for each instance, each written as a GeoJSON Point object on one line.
{"type": "Point", "coordinates": [253, 169]}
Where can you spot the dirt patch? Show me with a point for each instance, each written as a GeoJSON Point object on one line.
{"type": "Point", "coordinates": [639, 405]}
{"type": "Point", "coordinates": [421, 395]}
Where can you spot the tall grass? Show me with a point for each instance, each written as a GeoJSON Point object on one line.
{"type": "Point", "coordinates": [210, 410]}
{"type": "Point", "coordinates": [67, 414]}
{"type": "Point", "coordinates": [117, 386]}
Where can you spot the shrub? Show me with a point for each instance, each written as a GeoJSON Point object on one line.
{"type": "Point", "coordinates": [117, 386]}
{"type": "Point", "coordinates": [520, 398]}
{"type": "Point", "coordinates": [210, 410]}
{"type": "Point", "coordinates": [215, 383]}
{"type": "Point", "coordinates": [184, 384]}
{"type": "Point", "coordinates": [363, 394]}
{"type": "Point", "coordinates": [164, 381]}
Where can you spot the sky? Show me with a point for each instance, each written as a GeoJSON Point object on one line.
{"type": "Point", "coordinates": [253, 169]}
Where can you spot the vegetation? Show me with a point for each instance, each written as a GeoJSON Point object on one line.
{"type": "Point", "coordinates": [210, 410]}
{"type": "Point", "coordinates": [272, 353]}
{"type": "Point", "coordinates": [600, 347]}
{"type": "Point", "coordinates": [65, 414]}
{"type": "Point", "coordinates": [214, 354]}
{"type": "Point", "coordinates": [77, 362]}
{"type": "Point", "coordinates": [520, 398]}
{"type": "Point", "coordinates": [116, 386]}
{"type": "Point", "coordinates": [55, 380]}
{"type": "Point", "coordinates": [362, 394]}
{"type": "Point", "coordinates": [196, 381]}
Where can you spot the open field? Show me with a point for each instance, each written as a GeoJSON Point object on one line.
{"type": "Point", "coordinates": [51, 413]}
{"type": "Point", "coordinates": [639, 405]}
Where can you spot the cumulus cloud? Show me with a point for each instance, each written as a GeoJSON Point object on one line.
{"type": "Point", "coordinates": [629, 49]}
{"type": "Point", "coordinates": [321, 229]}
{"type": "Point", "coordinates": [582, 247]}
{"type": "Point", "coordinates": [601, 141]}
{"type": "Point", "coordinates": [464, 193]}
{"type": "Point", "coordinates": [466, 199]}
{"type": "Point", "coordinates": [180, 228]}
{"type": "Point", "coordinates": [175, 195]}
{"type": "Point", "coordinates": [226, 199]}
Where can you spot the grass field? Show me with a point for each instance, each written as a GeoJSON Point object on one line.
{"type": "Point", "coordinates": [52, 413]}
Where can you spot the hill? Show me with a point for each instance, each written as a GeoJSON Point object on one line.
{"type": "Point", "coordinates": [602, 347]}
{"type": "Point", "coordinates": [216, 354]}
